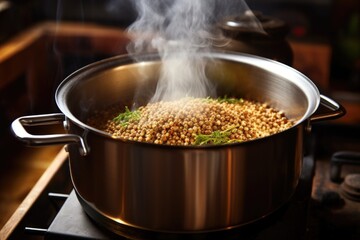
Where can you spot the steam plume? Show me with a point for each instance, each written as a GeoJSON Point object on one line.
{"type": "Point", "coordinates": [177, 30]}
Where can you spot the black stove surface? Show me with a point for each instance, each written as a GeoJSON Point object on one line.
{"type": "Point", "coordinates": [72, 223]}
{"type": "Point", "coordinates": [288, 222]}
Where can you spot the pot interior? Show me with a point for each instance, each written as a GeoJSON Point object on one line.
{"type": "Point", "coordinates": [122, 80]}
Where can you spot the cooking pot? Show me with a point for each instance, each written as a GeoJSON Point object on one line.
{"type": "Point", "coordinates": [181, 188]}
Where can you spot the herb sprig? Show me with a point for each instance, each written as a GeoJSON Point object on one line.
{"type": "Point", "coordinates": [216, 137]}
{"type": "Point", "coordinates": [231, 100]}
{"type": "Point", "coordinates": [225, 99]}
{"type": "Point", "coordinates": [124, 118]}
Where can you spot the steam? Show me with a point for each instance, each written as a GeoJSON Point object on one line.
{"type": "Point", "coordinates": [178, 30]}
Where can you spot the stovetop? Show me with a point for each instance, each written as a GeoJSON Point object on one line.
{"type": "Point", "coordinates": [71, 222]}
{"type": "Point", "coordinates": [288, 222]}
{"type": "Point", "coordinates": [333, 213]}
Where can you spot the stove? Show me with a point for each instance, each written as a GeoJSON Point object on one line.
{"type": "Point", "coordinates": [71, 222]}
{"type": "Point", "coordinates": [335, 206]}
{"type": "Point", "coordinates": [319, 208]}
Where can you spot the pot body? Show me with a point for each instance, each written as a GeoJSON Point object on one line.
{"type": "Point", "coordinates": [161, 188]}
{"type": "Point", "coordinates": [181, 188]}
{"type": "Point", "coordinates": [167, 188]}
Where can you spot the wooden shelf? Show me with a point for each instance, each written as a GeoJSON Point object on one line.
{"type": "Point", "coordinates": [33, 53]}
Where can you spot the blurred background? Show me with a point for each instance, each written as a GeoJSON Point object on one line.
{"type": "Point", "coordinates": [42, 42]}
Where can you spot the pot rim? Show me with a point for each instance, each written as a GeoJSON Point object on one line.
{"type": "Point", "coordinates": [299, 79]}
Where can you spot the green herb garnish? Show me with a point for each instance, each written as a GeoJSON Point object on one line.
{"type": "Point", "coordinates": [229, 100]}
{"type": "Point", "coordinates": [124, 118]}
{"type": "Point", "coordinates": [216, 137]}
{"type": "Point", "coordinates": [225, 99]}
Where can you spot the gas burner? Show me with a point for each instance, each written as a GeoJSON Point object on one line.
{"type": "Point", "coordinates": [350, 188]}
{"type": "Point", "coordinates": [335, 208]}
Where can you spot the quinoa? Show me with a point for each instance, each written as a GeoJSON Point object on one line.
{"type": "Point", "coordinates": [193, 121]}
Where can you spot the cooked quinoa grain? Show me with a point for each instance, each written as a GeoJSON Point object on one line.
{"type": "Point", "coordinates": [193, 121]}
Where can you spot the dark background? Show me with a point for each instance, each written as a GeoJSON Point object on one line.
{"type": "Point", "coordinates": [334, 23]}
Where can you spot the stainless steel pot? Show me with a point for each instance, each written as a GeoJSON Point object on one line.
{"type": "Point", "coordinates": [177, 188]}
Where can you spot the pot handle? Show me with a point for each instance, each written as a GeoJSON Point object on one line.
{"type": "Point", "coordinates": [20, 132]}
{"type": "Point", "coordinates": [336, 110]}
